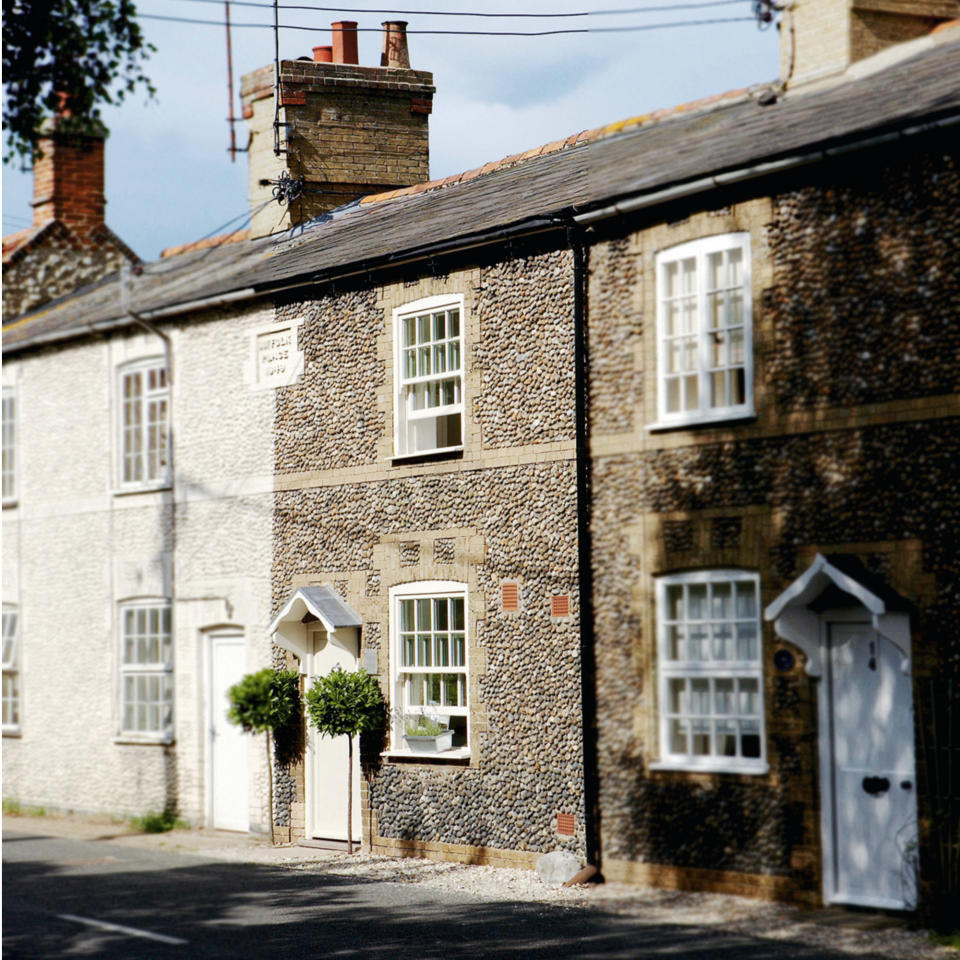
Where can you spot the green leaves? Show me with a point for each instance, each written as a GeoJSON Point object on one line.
{"type": "Point", "coordinates": [265, 700]}
{"type": "Point", "coordinates": [86, 51]}
{"type": "Point", "coordinates": [345, 703]}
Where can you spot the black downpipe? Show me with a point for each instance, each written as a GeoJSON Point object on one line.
{"type": "Point", "coordinates": [588, 667]}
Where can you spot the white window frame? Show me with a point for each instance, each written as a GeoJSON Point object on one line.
{"type": "Point", "coordinates": [12, 696]}
{"type": "Point", "coordinates": [697, 675]}
{"type": "Point", "coordinates": [700, 250]}
{"type": "Point", "coordinates": [134, 668]}
{"type": "Point", "coordinates": [400, 685]}
{"type": "Point", "coordinates": [10, 458]}
{"type": "Point", "coordinates": [153, 476]}
{"type": "Point", "coordinates": [405, 416]}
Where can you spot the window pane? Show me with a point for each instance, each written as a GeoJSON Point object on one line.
{"type": "Point", "coordinates": [697, 601]}
{"type": "Point", "coordinates": [673, 396]}
{"type": "Point", "coordinates": [723, 642]}
{"type": "Point", "coordinates": [408, 644]}
{"type": "Point", "coordinates": [409, 332]}
{"type": "Point", "coordinates": [698, 638]}
{"type": "Point", "coordinates": [453, 323]}
{"type": "Point", "coordinates": [700, 696]}
{"type": "Point", "coordinates": [677, 701]}
{"type": "Point", "coordinates": [750, 739]}
{"type": "Point", "coordinates": [423, 615]}
{"type": "Point", "coordinates": [674, 602]}
{"type": "Point", "coordinates": [406, 615]}
{"type": "Point", "coordinates": [722, 601]}
{"type": "Point", "coordinates": [423, 329]}
{"type": "Point", "coordinates": [723, 698]}
{"type": "Point", "coordinates": [678, 736]}
{"type": "Point", "coordinates": [691, 393]}
{"type": "Point", "coordinates": [735, 265]}
{"type": "Point", "coordinates": [423, 361]}
{"type": "Point", "coordinates": [423, 651]}
{"type": "Point", "coordinates": [746, 599]}
{"type": "Point", "coordinates": [715, 271]}
{"type": "Point", "coordinates": [451, 696]}
{"type": "Point", "coordinates": [701, 737]}
{"type": "Point", "coordinates": [726, 738]}
{"type": "Point", "coordinates": [443, 651]}
{"type": "Point", "coordinates": [675, 649]}
{"type": "Point", "coordinates": [747, 641]}
{"type": "Point", "coordinates": [749, 697]}
{"type": "Point", "coordinates": [458, 613]}
{"type": "Point", "coordinates": [459, 650]}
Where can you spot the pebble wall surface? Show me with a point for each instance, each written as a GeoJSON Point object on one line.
{"type": "Point", "coordinates": [862, 308]}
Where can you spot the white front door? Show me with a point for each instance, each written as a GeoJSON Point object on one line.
{"type": "Point", "coordinates": [872, 805]}
{"type": "Point", "coordinates": [327, 757]}
{"type": "Point", "coordinates": [228, 746]}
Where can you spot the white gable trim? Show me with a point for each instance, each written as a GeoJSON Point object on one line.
{"type": "Point", "coordinates": [291, 633]}
{"type": "Point", "coordinates": [796, 623]}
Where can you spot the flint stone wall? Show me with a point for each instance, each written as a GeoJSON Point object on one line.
{"type": "Point", "coordinates": [858, 307]}
{"type": "Point", "coordinates": [526, 749]}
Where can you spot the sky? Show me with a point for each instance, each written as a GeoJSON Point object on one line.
{"type": "Point", "coordinates": [169, 177]}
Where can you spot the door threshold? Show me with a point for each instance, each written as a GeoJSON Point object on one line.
{"type": "Point", "coordinates": [320, 843]}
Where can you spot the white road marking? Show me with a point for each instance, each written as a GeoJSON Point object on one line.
{"type": "Point", "coordinates": [118, 928]}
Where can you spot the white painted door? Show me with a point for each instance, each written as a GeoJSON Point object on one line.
{"type": "Point", "coordinates": [327, 776]}
{"type": "Point", "coordinates": [228, 745]}
{"type": "Point", "coordinates": [874, 784]}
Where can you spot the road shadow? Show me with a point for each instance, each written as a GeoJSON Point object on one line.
{"type": "Point", "coordinates": [239, 911]}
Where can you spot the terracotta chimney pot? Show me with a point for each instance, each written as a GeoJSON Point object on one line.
{"type": "Point", "coordinates": [345, 41]}
{"type": "Point", "coordinates": [395, 53]}
{"type": "Point", "coordinates": [323, 54]}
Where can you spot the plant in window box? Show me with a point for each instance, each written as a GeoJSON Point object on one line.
{"type": "Point", "coordinates": [424, 734]}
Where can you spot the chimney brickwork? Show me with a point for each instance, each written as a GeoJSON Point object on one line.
{"type": "Point", "coordinates": [346, 130]}
{"type": "Point", "coordinates": [820, 39]}
{"type": "Point", "coordinates": [68, 180]}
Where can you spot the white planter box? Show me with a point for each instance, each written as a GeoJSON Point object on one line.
{"type": "Point", "coordinates": [439, 743]}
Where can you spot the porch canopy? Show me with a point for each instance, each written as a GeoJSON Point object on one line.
{"type": "Point", "coordinates": [306, 606]}
{"type": "Point", "coordinates": [838, 582]}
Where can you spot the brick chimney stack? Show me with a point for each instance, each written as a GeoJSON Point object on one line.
{"type": "Point", "coordinates": [820, 39]}
{"type": "Point", "coordinates": [345, 130]}
{"type": "Point", "coordinates": [68, 179]}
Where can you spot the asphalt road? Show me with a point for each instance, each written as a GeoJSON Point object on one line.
{"type": "Point", "coordinates": [75, 898]}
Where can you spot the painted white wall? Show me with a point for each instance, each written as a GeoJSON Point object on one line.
{"type": "Point", "coordinates": [74, 549]}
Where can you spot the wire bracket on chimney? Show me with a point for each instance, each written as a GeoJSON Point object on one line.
{"type": "Point", "coordinates": [764, 11]}
{"type": "Point", "coordinates": [286, 189]}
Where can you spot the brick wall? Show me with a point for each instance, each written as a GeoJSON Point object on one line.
{"type": "Point", "coordinates": [822, 38]}
{"type": "Point", "coordinates": [68, 176]}
{"type": "Point", "coordinates": [350, 130]}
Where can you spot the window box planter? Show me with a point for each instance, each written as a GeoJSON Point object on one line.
{"type": "Point", "coordinates": [429, 744]}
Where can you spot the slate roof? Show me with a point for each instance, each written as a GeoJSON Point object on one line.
{"type": "Point", "coordinates": [574, 177]}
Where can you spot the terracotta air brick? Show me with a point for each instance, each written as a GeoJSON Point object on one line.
{"type": "Point", "coordinates": [509, 597]}
{"type": "Point", "coordinates": [566, 824]}
{"type": "Point", "coordinates": [560, 605]}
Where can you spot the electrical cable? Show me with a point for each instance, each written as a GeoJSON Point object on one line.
{"type": "Point", "coordinates": [659, 8]}
{"type": "Point", "coordinates": [465, 33]}
{"type": "Point", "coordinates": [247, 216]}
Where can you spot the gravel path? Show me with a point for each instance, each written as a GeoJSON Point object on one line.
{"type": "Point", "coordinates": [839, 930]}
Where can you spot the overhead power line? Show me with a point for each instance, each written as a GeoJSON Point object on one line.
{"type": "Point", "coordinates": [658, 8]}
{"type": "Point", "coordinates": [463, 33]}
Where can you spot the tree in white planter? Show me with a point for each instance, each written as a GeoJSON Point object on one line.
{"type": "Point", "coordinates": [264, 702]}
{"type": "Point", "coordinates": [346, 704]}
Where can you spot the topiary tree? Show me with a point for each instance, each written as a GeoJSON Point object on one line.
{"type": "Point", "coordinates": [346, 704]}
{"type": "Point", "coordinates": [263, 702]}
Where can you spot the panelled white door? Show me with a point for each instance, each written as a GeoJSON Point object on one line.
{"type": "Point", "coordinates": [327, 769]}
{"type": "Point", "coordinates": [874, 799]}
{"type": "Point", "coordinates": [228, 746]}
